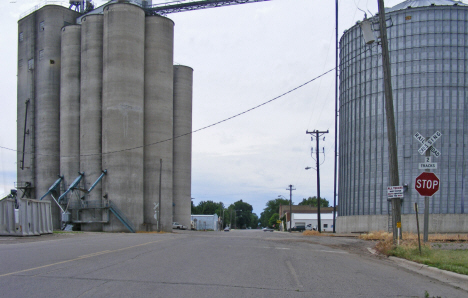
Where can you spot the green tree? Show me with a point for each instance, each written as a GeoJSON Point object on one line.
{"type": "Point", "coordinates": [194, 208]}
{"type": "Point", "coordinates": [253, 221]}
{"type": "Point", "coordinates": [241, 214]}
{"type": "Point", "coordinates": [208, 207]}
{"type": "Point", "coordinates": [272, 207]}
{"type": "Point", "coordinates": [312, 201]}
{"type": "Point", "coordinates": [273, 221]}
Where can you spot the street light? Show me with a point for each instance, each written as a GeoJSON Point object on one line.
{"type": "Point", "coordinates": [290, 214]}
{"type": "Point", "coordinates": [290, 206]}
{"type": "Point", "coordinates": [394, 178]}
{"type": "Point", "coordinates": [319, 222]}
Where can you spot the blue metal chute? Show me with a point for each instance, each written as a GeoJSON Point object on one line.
{"type": "Point", "coordinates": [97, 181]}
{"type": "Point", "coordinates": [72, 186]}
{"type": "Point", "coordinates": [53, 187]}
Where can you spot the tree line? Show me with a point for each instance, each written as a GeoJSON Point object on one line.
{"type": "Point", "coordinates": [239, 215]}
{"type": "Point", "coordinates": [270, 215]}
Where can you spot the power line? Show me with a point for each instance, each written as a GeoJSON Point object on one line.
{"type": "Point", "coordinates": [200, 129]}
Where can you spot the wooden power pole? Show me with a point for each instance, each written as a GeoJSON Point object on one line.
{"type": "Point", "coordinates": [317, 135]}
{"type": "Point", "coordinates": [391, 134]}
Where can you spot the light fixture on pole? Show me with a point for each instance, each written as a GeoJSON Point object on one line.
{"type": "Point", "coordinates": [280, 196]}
{"type": "Point", "coordinates": [367, 33]}
{"type": "Point", "coordinates": [319, 221]}
{"type": "Point", "coordinates": [394, 178]}
{"type": "Point", "coordinates": [318, 134]}
{"type": "Point", "coordinates": [290, 188]}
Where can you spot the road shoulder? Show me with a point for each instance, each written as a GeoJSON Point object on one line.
{"type": "Point", "coordinates": [448, 277]}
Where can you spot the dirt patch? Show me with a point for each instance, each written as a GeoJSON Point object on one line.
{"type": "Point", "coordinates": [348, 244]}
{"type": "Point", "coordinates": [45, 237]}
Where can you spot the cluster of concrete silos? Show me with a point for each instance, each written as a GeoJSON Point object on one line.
{"type": "Point", "coordinates": [122, 102]}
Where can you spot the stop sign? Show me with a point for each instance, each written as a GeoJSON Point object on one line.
{"type": "Point", "coordinates": [427, 184]}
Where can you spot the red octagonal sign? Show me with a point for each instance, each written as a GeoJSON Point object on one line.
{"type": "Point", "coordinates": [427, 184]}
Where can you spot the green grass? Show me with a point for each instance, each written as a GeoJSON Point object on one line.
{"type": "Point", "coordinates": [66, 232]}
{"type": "Point", "coordinates": [451, 260]}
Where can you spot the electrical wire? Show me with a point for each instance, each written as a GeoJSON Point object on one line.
{"type": "Point", "coordinates": [200, 129]}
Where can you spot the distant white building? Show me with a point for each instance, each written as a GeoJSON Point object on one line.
{"type": "Point", "coordinates": [205, 222]}
{"type": "Point", "coordinates": [309, 220]}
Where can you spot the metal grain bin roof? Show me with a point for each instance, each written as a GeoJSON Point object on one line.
{"type": "Point", "coordinates": [423, 3]}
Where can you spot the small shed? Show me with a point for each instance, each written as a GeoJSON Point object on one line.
{"type": "Point", "coordinates": [205, 222]}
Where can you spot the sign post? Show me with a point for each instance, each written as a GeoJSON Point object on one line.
{"type": "Point", "coordinates": [427, 183]}
{"type": "Point", "coordinates": [395, 192]}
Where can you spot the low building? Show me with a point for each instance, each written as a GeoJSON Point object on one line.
{"type": "Point", "coordinates": [204, 222]}
{"type": "Point", "coordinates": [283, 209]}
{"type": "Point", "coordinates": [310, 221]}
{"type": "Point", "coordinates": [308, 215]}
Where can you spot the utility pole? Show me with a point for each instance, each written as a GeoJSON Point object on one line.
{"type": "Point", "coordinates": [290, 205]}
{"type": "Point", "coordinates": [394, 179]}
{"type": "Point", "coordinates": [230, 220]}
{"type": "Point", "coordinates": [426, 208]}
{"type": "Point", "coordinates": [159, 208]}
{"type": "Point", "coordinates": [318, 134]}
{"type": "Point", "coordinates": [336, 116]}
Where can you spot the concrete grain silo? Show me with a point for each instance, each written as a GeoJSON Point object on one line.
{"type": "Point", "coordinates": [97, 100]}
{"type": "Point", "coordinates": [159, 48]}
{"type": "Point", "coordinates": [123, 110]}
{"type": "Point", "coordinates": [70, 103]}
{"type": "Point", "coordinates": [183, 81]}
{"type": "Point", "coordinates": [91, 110]}
{"type": "Point", "coordinates": [428, 48]}
{"type": "Point", "coordinates": [39, 57]}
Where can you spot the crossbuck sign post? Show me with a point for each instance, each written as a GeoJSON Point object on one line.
{"type": "Point", "coordinates": [426, 178]}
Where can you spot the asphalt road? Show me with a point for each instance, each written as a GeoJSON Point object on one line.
{"type": "Point", "coordinates": [247, 263]}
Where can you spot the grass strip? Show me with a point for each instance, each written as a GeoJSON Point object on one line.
{"type": "Point", "coordinates": [451, 260]}
{"type": "Point", "coordinates": [455, 260]}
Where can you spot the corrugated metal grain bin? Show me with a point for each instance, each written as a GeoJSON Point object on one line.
{"type": "Point", "coordinates": [428, 48]}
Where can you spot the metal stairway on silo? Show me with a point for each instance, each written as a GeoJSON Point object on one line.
{"type": "Point", "coordinates": [123, 219]}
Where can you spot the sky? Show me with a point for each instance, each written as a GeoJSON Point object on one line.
{"type": "Point", "coordinates": [242, 56]}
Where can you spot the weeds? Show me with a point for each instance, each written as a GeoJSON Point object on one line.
{"type": "Point", "coordinates": [314, 233]}
{"type": "Point", "coordinates": [452, 260]}
{"type": "Point", "coordinates": [66, 232]}
{"type": "Point", "coordinates": [382, 235]}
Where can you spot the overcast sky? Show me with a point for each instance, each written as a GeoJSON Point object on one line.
{"type": "Point", "coordinates": [242, 56]}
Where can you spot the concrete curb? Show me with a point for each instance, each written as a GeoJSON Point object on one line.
{"type": "Point", "coordinates": [448, 277]}
{"type": "Point", "coordinates": [451, 278]}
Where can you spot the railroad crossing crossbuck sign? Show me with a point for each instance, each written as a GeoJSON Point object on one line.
{"type": "Point", "coordinates": [429, 143]}
{"type": "Point", "coordinates": [427, 184]}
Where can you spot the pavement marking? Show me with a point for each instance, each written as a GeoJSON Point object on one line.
{"type": "Point", "coordinates": [372, 251]}
{"type": "Point", "coordinates": [82, 257]}
{"type": "Point", "coordinates": [282, 248]}
{"type": "Point", "coordinates": [331, 251]}
{"type": "Point", "coordinates": [294, 274]}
